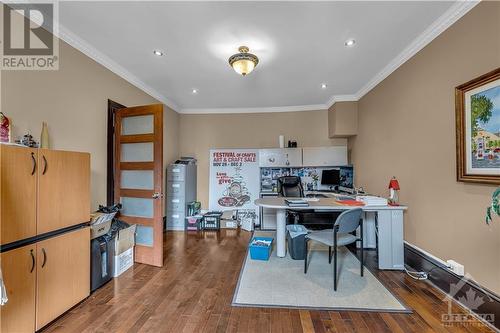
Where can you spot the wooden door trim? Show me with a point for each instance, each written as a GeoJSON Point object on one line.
{"type": "Point", "coordinates": [110, 172]}
{"type": "Point", "coordinates": [135, 193]}
{"type": "Point", "coordinates": [137, 138]}
{"type": "Point", "coordinates": [137, 166]}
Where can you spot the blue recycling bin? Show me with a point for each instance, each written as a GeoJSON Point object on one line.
{"type": "Point", "coordinates": [261, 248]}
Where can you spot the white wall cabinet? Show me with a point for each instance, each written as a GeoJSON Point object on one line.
{"type": "Point", "coordinates": [324, 156]}
{"type": "Point", "coordinates": [280, 157]}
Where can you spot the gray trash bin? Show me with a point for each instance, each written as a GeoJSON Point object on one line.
{"type": "Point", "coordinates": [295, 236]}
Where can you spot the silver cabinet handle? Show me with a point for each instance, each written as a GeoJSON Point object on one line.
{"type": "Point", "coordinates": [157, 195]}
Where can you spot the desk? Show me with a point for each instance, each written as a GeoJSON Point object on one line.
{"type": "Point", "coordinates": [389, 219]}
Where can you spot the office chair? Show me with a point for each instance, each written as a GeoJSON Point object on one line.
{"type": "Point", "coordinates": [340, 235]}
{"type": "Point", "coordinates": [290, 186]}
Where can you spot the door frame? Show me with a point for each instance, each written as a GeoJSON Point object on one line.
{"type": "Point", "coordinates": [110, 172]}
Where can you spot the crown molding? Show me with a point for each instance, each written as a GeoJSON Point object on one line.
{"type": "Point", "coordinates": [81, 45]}
{"type": "Point", "coordinates": [453, 14]}
{"type": "Point", "coordinates": [293, 108]}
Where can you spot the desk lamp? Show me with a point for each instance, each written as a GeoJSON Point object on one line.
{"type": "Point", "coordinates": [394, 188]}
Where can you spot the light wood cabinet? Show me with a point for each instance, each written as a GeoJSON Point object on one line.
{"type": "Point", "coordinates": [19, 275]}
{"type": "Point", "coordinates": [18, 181]}
{"type": "Point", "coordinates": [64, 189]}
{"type": "Point", "coordinates": [43, 191]}
{"type": "Point", "coordinates": [63, 277]}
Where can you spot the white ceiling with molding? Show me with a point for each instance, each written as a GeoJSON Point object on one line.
{"type": "Point", "coordinates": [300, 46]}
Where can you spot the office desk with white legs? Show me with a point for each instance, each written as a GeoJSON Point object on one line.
{"type": "Point", "coordinates": [389, 227]}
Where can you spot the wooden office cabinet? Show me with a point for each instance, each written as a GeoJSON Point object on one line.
{"type": "Point", "coordinates": [18, 181]}
{"type": "Point", "coordinates": [64, 190]}
{"type": "Point", "coordinates": [19, 275]}
{"type": "Point", "coordinates": [63, 277]}
{"type": "Point", "coordinates": [324, 156]}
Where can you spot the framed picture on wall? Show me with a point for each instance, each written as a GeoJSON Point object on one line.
{"type": "Point", "coordinates": [477, 105]}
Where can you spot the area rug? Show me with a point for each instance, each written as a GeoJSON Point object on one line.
{"type": "Point", "coordinates": [281, 282]}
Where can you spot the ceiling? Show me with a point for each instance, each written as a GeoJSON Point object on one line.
{"type": "Point", "coordinates": [300, 46]}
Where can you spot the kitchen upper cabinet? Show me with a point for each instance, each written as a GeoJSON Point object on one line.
{"type": "Point", "coordinates": [64, 190]}
{"type": "Point", "coordinates": [19, 276]}
{"type": "Point", "coordinates": [324, 156]}
{"type": "Point", "coordinates": [280, 157]}
{"type": "Point", "coordinates": [18, 178]}
{"type": "Point", "coordinates": [63, 277]}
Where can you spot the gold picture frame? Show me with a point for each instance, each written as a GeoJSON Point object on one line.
{"type": "Point", "coordinates": [477, 111]}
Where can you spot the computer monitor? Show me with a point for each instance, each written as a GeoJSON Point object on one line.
{"type": "Point", "coordinates": [330, 177]}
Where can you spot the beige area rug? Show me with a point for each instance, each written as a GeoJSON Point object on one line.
{"type": "Point", "coordinates": [281, 282]}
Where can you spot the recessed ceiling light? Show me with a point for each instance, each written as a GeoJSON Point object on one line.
{"type": "Point", "coordinates": [194, 91]}
{"type": "Point", "coordinates": [324, 85]}
{"type": "Point", "coordinates": [350, 42]}
{"type": "Point", "coordinates": [158, 53]}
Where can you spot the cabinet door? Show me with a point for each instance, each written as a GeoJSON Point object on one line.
{"type": "Point", "coordinates": [325, 156]}
{"type": "Point", "coordinates": [280, 157]}
{"type": "Point", "coordinates": [18, 168]}
{"type": "Point", "coordinates": [19, 275]}
{"type": "Point", "coordinates": [63, 274]}
{"type": "Point", "coordinates": [64, 189]}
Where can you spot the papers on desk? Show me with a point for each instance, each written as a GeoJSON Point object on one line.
{"type": "Point", "coordinates": [296, 203]}
{"type": "Point", "coordinates": [371, 200]}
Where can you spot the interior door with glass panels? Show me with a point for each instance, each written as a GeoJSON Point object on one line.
{"type": "Point", "coordinates": [138, 177]}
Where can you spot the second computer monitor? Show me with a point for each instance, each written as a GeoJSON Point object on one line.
{"type": "Point", "coordinates": [330, 177]}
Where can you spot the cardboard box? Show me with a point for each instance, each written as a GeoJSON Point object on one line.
{"type": "Point", "coordinates": [123, 262]}
{"type": "Point", "coordinates": [100, 224]}
{"type": "Point", "coordinates": [125, 239]}
{"type": "Point", "coordinates": [124, 250]}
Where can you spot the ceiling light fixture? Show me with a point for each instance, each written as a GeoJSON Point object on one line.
{"type": "Point", "coordinates": [243, 63]}
{"type": "Point", "coordinates": [350, 42]}
{"type": "Point", "coordinates": [324, 85]}
{"type": "Point", "coordinates": [158, 53]}
{"type": "Point", "coordinates": [194, 91]}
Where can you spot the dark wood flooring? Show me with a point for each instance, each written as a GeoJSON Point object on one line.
{"type": "Point", "coordinates": [193, 293]}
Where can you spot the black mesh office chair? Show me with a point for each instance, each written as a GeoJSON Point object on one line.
{"type": "Point", "coordinates": [290, 186]}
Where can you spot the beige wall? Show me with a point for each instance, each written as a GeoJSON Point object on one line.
{"type": "Point", "coordinates": [73, 101]}
{"type": "Point", "coordinates": [407, 130]}
{"type": "Point", "coordinates": [199, 133]}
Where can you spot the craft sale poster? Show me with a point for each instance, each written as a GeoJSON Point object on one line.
{"type": "Point", "coordinates": [234, 180]}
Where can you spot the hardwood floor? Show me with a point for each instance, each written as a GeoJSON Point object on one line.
{"type": "Point", "coordinates": [194, 290]}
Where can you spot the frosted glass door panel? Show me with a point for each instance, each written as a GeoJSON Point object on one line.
{"type": "Point", "coordinates": [144, 235]}
{"type": "Point", "coordinates": [139, 207]}
{"type": "Point", "coordinates": [137, 152]}
{"type": "Point", "coordinates": [137, 179]}
{"type": "Point", "coordinates": [138, 125]}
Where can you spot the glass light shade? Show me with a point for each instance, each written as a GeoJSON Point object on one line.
{"type": "Point", "coordinates": [243, 66]}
